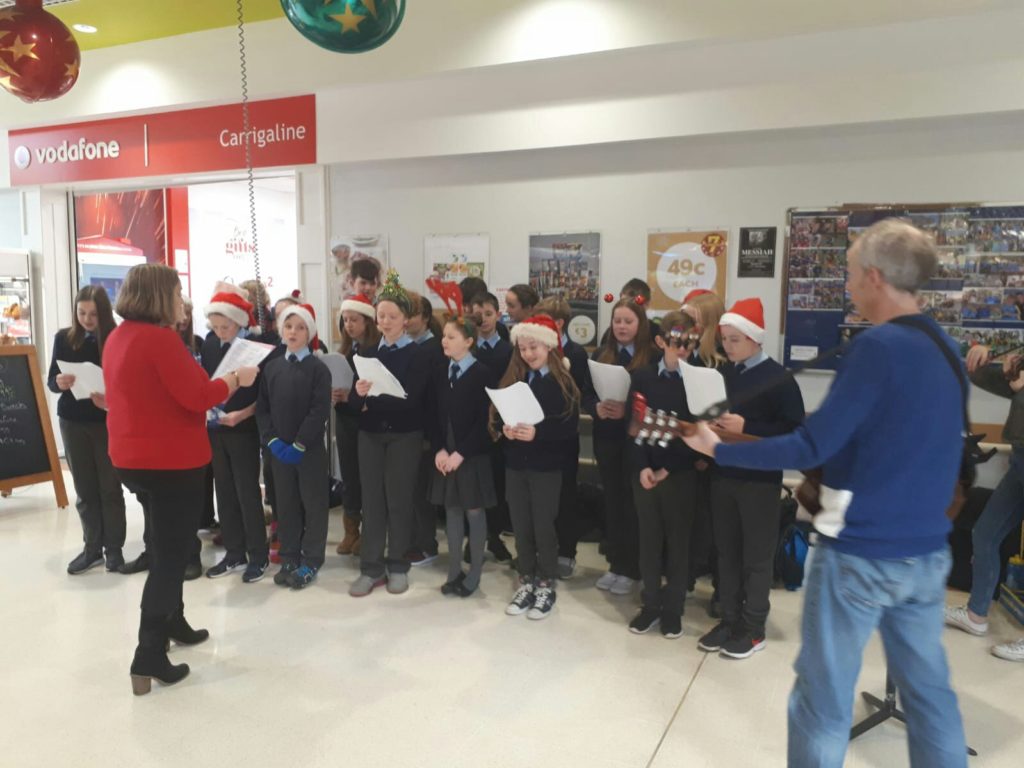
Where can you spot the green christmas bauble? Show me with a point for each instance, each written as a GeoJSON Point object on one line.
{"type": "Point", "coordinates": [346, 26]}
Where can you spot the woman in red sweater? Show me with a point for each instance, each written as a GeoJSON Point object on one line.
{"type": "Point", "coordinates": [157, 398]}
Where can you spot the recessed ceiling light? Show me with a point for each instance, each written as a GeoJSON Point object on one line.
{"type": "Point", "coordinates": [86, 28]}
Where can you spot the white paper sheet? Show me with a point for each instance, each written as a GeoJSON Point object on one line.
{"type": "Point", "coordinates": [384, 382]}
{"type": "Point", "coordinates": [704, 387]}
{"type": "Point", "coordinates": [341, 372]}
{"type": "Point", "coordinates": [88, 378]}
{"type": "Point", "coordinates": [242, 353]}
{"type": "Point", "coordinates": [517, 404]}
{"type": "Point", "coordinates": [611, 382]}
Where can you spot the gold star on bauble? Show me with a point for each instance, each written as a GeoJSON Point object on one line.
{"type": "Point", "coordinates": [20, 48]}
{"type": "Point", "coordinates": [71, 70]}
{"type": "Point", "coordinates": [10, 15]}
{"type": "Point", "coordinates": [349, 21]}
{"type": "Point", "coordinates": [5, 67]}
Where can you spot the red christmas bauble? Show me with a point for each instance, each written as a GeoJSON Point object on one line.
{"type": "Point", "coordinates": [39, 57]}
{"type": "Point", "coordinates": [609, 298]}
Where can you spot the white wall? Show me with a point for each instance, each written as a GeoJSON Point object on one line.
{"type": "Point", "coordinates": [622, 190]}
{"type": "Point", "coordinates": [11, 235]}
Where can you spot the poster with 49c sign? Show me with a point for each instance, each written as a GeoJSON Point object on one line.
{"type": "Point", "coordinates": [682, 260]}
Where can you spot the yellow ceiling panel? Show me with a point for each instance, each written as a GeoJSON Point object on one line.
{"type": "Point", "coordinates": [130, 21]}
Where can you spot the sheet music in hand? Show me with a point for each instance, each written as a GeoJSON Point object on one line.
{"type": "Point", "coordinates": [88, 378]}
{"type": "Point", "coordinates": [611, 382]}
{"type": "Point", "coordinates": [240, 354]}
{"type": "Point", "coordinates": [342, 374]}
{"type": "Point", "coordinates": [383, 381]}
{"type": "Point", "coordinates": [704, 387]}
{"type": "Point", "coordinates": [517, 404]}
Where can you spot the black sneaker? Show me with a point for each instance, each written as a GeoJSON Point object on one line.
{"type": "Point", "coordinates": [742, 646]}
{"type": "Point", "coordinates": [114, 560]}
{"type": "Point", "coordinates": [497, 548]}
{"type": "Point", "coordinates": [522, 600]}
{"type": "Point", "coordinates": [543, 600]}
{"type": "Point", "coordinates": [284, 573]}
{"type": "Point", "coordinates": [255, 571]}
{"type": "Point", "coordinates": [644, 621]}
{"type": "Point", "coordinates": [224, 567]}
{"type": "Point", "coordinates": [301, 577]}
{"type": "Point", "coordinates": [138, 565]}
{"type": "Point", "coordinates": [713, 641]}
{"type": "Point", "coordinates": [671, 626]}
{"type": "Point", "coordinates": [84, 562]}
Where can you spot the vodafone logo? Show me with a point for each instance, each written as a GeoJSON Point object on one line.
{"type": "Point", "coordinates": [22, 158]}
{"type": "Point", "coordinates": [72, 153]}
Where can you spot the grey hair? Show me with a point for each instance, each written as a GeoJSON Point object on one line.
{"type": "Point", "coordinates": [905, 256]}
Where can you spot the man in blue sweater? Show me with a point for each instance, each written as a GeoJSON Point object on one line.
{"type": "Point", "coordinates": [889, 440]}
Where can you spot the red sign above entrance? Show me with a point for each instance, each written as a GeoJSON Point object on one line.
{"type": "Point", "coordinates": [282, 133]}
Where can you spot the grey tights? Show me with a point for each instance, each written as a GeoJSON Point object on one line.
{"type": "Point", "coordinates": [456, 529]}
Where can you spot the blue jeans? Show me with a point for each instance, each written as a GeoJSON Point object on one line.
{"type": "Point", "coordinates": [846, 598]}
{"type": "Point", "coordinates": [1003, 512]}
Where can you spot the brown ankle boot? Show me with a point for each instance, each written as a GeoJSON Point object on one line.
{"type": "Point", "coordinates": [350, 544]}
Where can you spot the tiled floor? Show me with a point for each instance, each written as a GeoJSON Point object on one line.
{"type": "Point", "coordinates": [318, 678]}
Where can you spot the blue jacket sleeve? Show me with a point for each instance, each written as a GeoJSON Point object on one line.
{"type": "Point", "coordinates": [854, 395]}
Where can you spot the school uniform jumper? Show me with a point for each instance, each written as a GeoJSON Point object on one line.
{"type": "Point", "coordinates": [746, 502]}
{"type": "Point", "coordinates": [462, 411]}
{"type": "Point", "coordinates": [533, 479]}
{"type": "Point", "coordinates": [390, 448]}
{"type": "Point", "coordinates": [294, 406]}
{"type": "Point", "coordinates": [83, 428]}
{"type": "Point", "coordinates": [236, 466]}
{"type": "Point", "coordinates": [664, 513]}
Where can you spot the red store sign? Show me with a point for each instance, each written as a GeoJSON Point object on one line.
{"type": "Point", "coordinates": [282, 133]}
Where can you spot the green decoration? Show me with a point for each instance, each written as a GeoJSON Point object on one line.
{"type": "Point", "coordinates": [346, 26]}
{"type": "Point", "coordinates": [392, 290]}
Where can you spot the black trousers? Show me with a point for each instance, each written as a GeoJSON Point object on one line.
{"type": "Point", "coordinates": [208, 515]}
{"type": "Point", "coordinates": [746, 521]}
{"type": "Point", "coordinates": [567, 524]}
{"type": "Point", "coordinates": [346, 434]}
{"type": "Point", "coordinates": [388, 465]}
{"type": "Point", "coordinates": [173, 499]}
{"type": "Point", "coordinates": [424, 536]}
{"type": "Point", "coordinates": [268, 482]}
{"type": "Point", "coordinates": [498, 517]}
{"type": "Point", "coordinates": [613, 465]}
{"type": "Point", "coordinates": [236, 475]}
{"type": "Point", "coordinates": [100, 499]}
{"type": "Point", "coordinates": [703, 556]}
{"type": "Point", "coordinates": [665, 518]}
{"type": "Point", "coordinates": [533, 501]}
{"type": "Point", "coordinates": [302, 508]}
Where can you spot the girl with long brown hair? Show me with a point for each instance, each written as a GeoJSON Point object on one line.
{"type": "Point", "coordinates": [628, 344]}
{"type": "Point", "coordinates": [83, 428]}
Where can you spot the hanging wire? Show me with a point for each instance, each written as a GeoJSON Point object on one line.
{"type": "Point", "coordinates": [248, 160]}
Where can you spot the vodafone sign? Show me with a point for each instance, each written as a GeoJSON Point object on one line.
{"type": "Point", "coordinates": [282, 133]}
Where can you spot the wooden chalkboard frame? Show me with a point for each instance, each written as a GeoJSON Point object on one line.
{"type": "Point", "coordinates": [56, 474]}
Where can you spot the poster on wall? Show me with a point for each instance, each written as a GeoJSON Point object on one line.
{"type": "Point", "coordinates": [345, 251]}
{"type": "Point", "coordinates": [757, 252]}
{"type": "Point", "coordinates": [681, 260]}
{"type": "Point", "coordinates": [453, 258]}
{"type": "Point", "coordinates": [569, 265]}
{"type": "Point", "coordinates": [115, 231]}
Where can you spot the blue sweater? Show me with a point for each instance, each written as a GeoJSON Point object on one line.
{"type": "Point", "coordinates": [888, 437]}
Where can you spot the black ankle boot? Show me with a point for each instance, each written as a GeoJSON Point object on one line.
{"type": "Point", "coordinates": [179, 631]}
{"type": "Point", "coordinates": [150, 662]}
{"type": "Point", "coordinates": [194, 569]}
{"type": "Point", "coordinates": [138, 565]}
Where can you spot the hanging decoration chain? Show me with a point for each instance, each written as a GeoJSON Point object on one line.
{"type": "Point", "coordinates": [248, 161]}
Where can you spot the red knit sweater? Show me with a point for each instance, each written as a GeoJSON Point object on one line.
{"type": "Point", "coordinates": [157, 397]}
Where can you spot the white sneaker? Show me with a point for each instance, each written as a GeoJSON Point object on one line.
{"type": "Point", "coordinates": [957, 616]}
{"type": "Point", "coordinates": [607, 581]}
{"type": "Point", "coordinates": [1010, 651]}
{"type": "Point", "coordinates": [623, 585]}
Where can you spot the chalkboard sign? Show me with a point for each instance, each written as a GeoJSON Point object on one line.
{"type": "Point", "coordinates": [28, 454]}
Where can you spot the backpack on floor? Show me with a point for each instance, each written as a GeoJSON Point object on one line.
{"type": "Point", "coordinates": [791, 553]}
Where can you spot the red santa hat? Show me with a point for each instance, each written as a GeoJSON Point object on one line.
{"type": "Point", "coordinates": [233, 303]}
{"type": "Point", "coordinates": [694, 294]}
{"type": "Point", "coordinates": [307, 315]}
{"type": "Point", "coordinates": [359, 303]}
{"type": "Point", "coordinates": [746, 316]}
{"type": "Point", "coordinates": [541, 328]}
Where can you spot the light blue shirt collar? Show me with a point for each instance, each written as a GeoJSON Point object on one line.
{"type": "Point", "coordinates": [463, 364]}
{"type": "Point", "coordinates": [662, 367]}
{"type": "Point", "coordinates": [543, 372]}
{"type": "Point", "coordinates": [302, 354]}
{"type": "Point", "coordinates": [427, 336]}
{"type": "Point", "coordinates": [403, 341]}
{"type": "Point", "coordinates": [565, 341]}
{"type": "Point", "coordinates": [756, 359]}
{"type": "Point", "coordinates": [242, 334]}
{"type": "Point", "coordinates": [493, 339]}
{"type": "Point", "coordinates": [631, 348]}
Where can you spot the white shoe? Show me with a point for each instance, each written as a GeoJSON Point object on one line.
{"type": "Point", "coordinates": [1010, 651]}
{"type": "Point", "coordinates": [623, 586]}
{"type": "Point", "coordinates": [957, 616]}
{"type": "Point", "coordinates": [607, 581]}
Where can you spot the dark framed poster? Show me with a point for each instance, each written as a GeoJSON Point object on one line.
{"type": "Point", "coordinates": [757, 251]}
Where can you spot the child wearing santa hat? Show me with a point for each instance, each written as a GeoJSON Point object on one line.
{"type": "Point", "coordinates": [765, 401]}
{"type": "Point", "coordinates": [536, 457]}
{"type": "Point", "coordinates": [234, 438]}
{"type": "Point", "coordinates": [293, 408]}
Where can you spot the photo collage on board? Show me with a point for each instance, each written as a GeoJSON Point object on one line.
{"type": "Point", "coordinates": [817, 263]}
